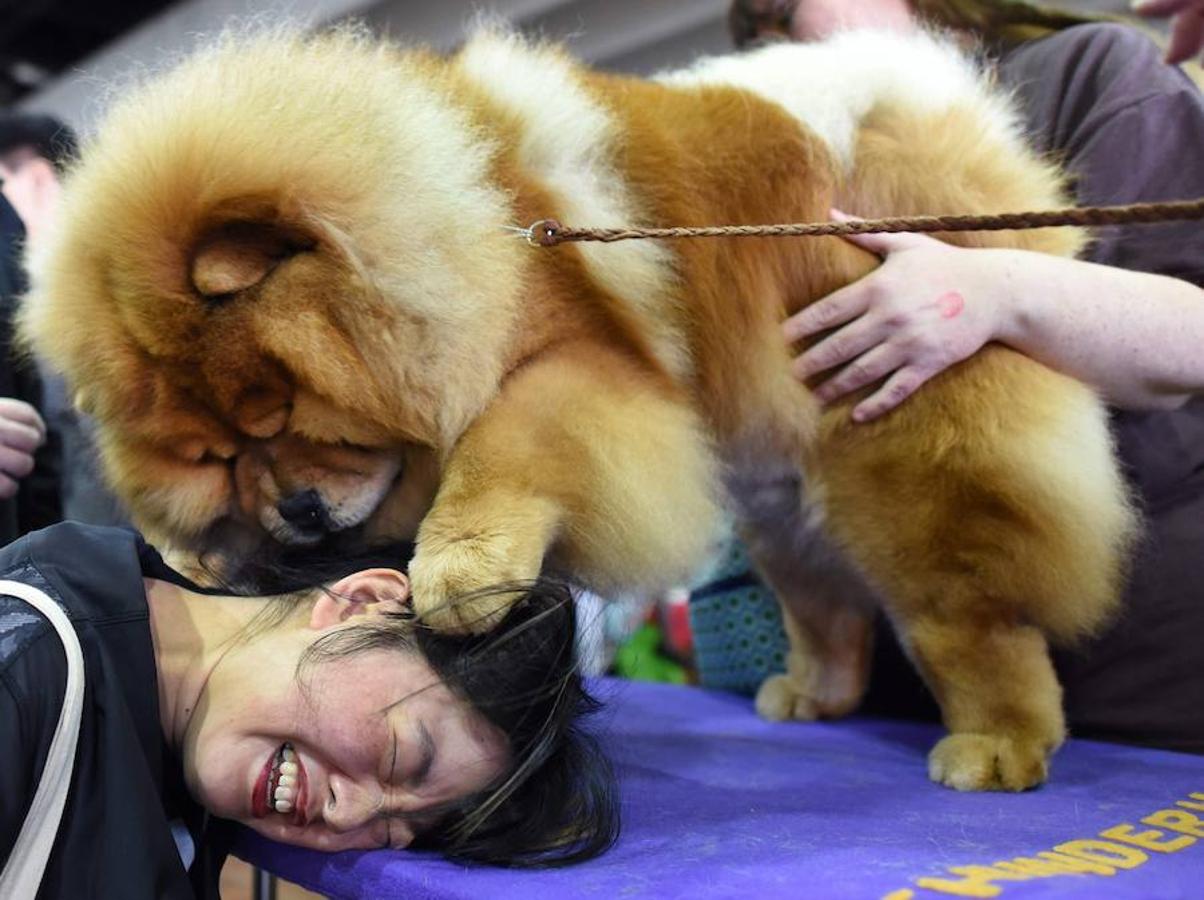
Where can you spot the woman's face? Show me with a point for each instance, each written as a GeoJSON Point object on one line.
{"type": "Point", "coordinates": [814, 20]}
{"type": "Point", "coordinates": [350, 756]}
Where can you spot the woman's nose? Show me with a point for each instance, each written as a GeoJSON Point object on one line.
{"type": "Point", "coordinates": [350, 805]}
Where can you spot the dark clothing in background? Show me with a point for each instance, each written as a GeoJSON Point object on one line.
{"type": "Point", "coordinates": [82, 489]}
{"type": "Point", "coordinates": [115, 839]}
{"type": "Point", "coordinates": [1130, 129]}
{"type": "Point", "coordinates": [36, 504]}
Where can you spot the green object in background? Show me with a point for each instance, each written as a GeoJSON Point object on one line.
{"type": "Point", "coordinates": [639, 658]}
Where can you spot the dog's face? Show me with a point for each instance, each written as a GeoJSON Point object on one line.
{"type": "Point", "coordinates": [249, 407]}
{"type": "Point", "coordinates": [281, 286]}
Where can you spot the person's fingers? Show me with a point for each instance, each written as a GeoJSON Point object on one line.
{"type": "Point", "coordinates": [832, 311]}
{"type": "Point", "coordinates": [1187, 36]}
{"type": "Point", "coordinates": [19, 436]}
{"type": "Point", "coordinates": [879, 244]}
{"type": "Point", "coordinates": [844, 346]}
{"type": "Point", "coordinates": [901, 385]}
{"type": "Point", "coordinates": [14, 463]}
{"type": "Point", "coordinates": [871, 366]}
{"type": "Point", "coordinates": [19, 411]}
{"type": "Point", "coordinates": [1161, 7]}
{"type": "Point", "coordinates": [8, 487]}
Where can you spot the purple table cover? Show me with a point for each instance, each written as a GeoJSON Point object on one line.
{"type": "Point", "coordinates": [718, 804]}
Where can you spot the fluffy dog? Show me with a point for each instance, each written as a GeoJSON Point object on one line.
{"type": "Point", "coordinates": [284, 286]}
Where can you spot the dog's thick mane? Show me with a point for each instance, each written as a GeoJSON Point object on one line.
{"type": "Point", "coordinates": [569, 144]}
{"type": "Point", "coordinates": [218, 136]}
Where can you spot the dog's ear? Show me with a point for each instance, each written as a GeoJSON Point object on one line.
{"type": "Point", "coordinates": [238, 255]}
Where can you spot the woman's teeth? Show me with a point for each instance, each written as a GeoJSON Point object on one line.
{"type": "Point", "coordinates": [286, 784]}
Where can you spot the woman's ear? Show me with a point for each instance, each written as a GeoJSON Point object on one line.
{"type": "Point", "coordinates": [370, 592]}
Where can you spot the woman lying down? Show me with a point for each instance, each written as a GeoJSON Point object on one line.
{"type": "Point", "coordinates": [325, 717]}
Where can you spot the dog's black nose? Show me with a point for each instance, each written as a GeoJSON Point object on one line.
{"type": "Point", "coordinates": [304, 511]}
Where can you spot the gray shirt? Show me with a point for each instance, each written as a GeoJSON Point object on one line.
{"type": "Point", "coordinates": [1131, 129]}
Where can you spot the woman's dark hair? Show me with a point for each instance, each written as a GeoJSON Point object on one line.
{"type": "Point", "coordinates": [556, 803]}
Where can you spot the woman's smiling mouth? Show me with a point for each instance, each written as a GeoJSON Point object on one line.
{"type": "Point", "coordinates": [282, 786]}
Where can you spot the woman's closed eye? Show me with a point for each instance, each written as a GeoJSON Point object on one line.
{"type": "Point", "coordinates": [421, 752]}
{"type": "Point", "coordinates": [426, 755]}
{"type": "Point", "coordinates": [393, 763]}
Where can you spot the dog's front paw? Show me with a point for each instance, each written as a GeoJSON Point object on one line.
{"type": "Point", "coordinates": [460, 585]}
{"type": "Point", "coordinates": [989, 762]}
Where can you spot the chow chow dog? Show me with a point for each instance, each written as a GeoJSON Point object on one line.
{"type": "Point", "coordinates": [287, 285]}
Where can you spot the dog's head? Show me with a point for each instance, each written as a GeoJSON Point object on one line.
{"type": "Point", "coordinates": [280, 285]}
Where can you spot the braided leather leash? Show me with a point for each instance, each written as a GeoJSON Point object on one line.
{"type": "Point", "coordinates": [549, 232]}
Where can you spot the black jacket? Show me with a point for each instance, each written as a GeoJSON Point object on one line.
{"type": "Point", "coordinates": [115, 839]}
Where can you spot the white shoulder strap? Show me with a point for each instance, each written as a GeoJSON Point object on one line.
{"type": "Point", "coordinates": [23, 872]}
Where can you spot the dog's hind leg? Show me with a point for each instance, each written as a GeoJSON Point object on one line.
{"type": "Point", "coordinates": [827, 607]}
{"type": "Point", "coordinates": [999, 698]}
{"type": "Point", "coordinates": [992, 516]}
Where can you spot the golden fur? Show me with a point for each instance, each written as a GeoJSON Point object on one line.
{"type": "Point", "coordinates": [282, 266]}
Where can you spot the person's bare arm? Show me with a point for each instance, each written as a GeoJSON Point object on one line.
{"type": "Point", "coordinates": [1134, 336]}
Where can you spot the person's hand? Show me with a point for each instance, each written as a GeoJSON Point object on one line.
{"type": "Point", "coordinates": [33, 190]}
{"type": "Point", "coordinates": [22, 431]}
{"type": "Point", "coordinates": [1187, 27]}
{"type": "Point", "coordinates": [928, 306]}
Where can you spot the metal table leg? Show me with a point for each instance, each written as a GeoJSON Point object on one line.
{"type": "Point", "coordinates": [264, 885]}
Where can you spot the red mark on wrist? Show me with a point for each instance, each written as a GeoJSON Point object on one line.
{"type": "Point", "coordinates": [950, 305]}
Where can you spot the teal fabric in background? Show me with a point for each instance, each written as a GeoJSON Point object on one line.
{"type": "Point", "coordinates": [739, 639]}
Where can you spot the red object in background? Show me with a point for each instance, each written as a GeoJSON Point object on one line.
{"type": "Point", "coordinates": [675, 620]}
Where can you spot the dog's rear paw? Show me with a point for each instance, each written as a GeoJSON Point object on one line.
{"type": "Point", "coordinates": [780, 698]}
{"type": "Point", "coordinates": [988, 762]}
